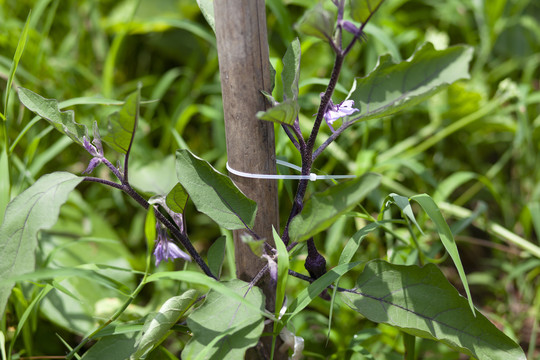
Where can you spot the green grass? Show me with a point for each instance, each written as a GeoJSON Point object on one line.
{"type": "Point", "coordinates": [473, 147]}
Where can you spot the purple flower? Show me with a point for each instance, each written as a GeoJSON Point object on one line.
{"type": "Point", "coordinates": [93, 163]}
{"type": "Point", "coordinates": [334, 112]}
{"type": "Point", "coordinates": [165, 248]}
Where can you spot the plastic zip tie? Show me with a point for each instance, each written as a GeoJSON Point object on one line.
{"type": "Point", "coordinates": [311, 177]}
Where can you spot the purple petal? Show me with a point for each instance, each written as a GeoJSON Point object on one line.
{"type": "Point", "coordinates": [89, 147]}
{"type": "Point", "coordinates": [93, 164]}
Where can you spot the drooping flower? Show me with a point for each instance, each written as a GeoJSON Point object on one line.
{"type": "Point", "coordinates": [95, 151]}
{"type": "Point", "coordinates": [334, 112]}
{"type": "Point", "coordinates": [165, 248]}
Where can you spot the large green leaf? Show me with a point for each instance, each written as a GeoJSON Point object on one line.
{"type": "Point", "coordinates": [391, 87]}
{"type": "Point", "coordinates": [421, 302]}
{"type": "Point", "coordinates": [114, 347]}
{"type": "Point", "coordinates": [159, 325]}
{"type": "Point", "coordinates": [214, 193]}
{"type": "Point", "coordinates": [34, 209]}
{"type": "Point", "coordinates": [222, 327]}
{"type": "Point", "coordinates": [63, 121]}
{"type": "Point", "coordinates": [122, 124]}
{"type": "Point", "coordinates": [321, 210]}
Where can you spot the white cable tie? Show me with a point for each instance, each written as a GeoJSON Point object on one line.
{"type": "Point", "coordinates": [312, 176]}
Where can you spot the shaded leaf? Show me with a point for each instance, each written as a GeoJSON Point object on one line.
{"type": "Point", "coordinates": [35, 209]}
{"type": "Point", "coordinates": [354, 243]}
{"type": "Point", "coordinates": [122, 124]}
{"type": "Point", "coordinates": [207, 9]}
{"type": "Point", "coordinates": [321, 210]}
{"type": "Point", "coordinates": [291, 71]}
{"type": "Point", "coordinates": [63, 121]}
{"type": "Point", "coordinates": [213, 193]}
{"type": "Point", "coordinates": [362, 10]}
{"type": "Point", "coordinates": [177, 199]}
{"type": "Point", "coordinates": [222, 327]}
{"type": "Point", "coordinates": [403, 203]}
{"type": "Point", "coordinates": [317, 22]}
{"type": "Point", "coordinates": [282, 272]}
{"type": "Point", "coordinates": [283, 113]}
{"type": "Point", "coordinates": [421, 302]}
{"type": "Point", "coordinates": [114, 347]}
{"type": "Point", "coordinates": [391, 87]}
{"type": "Point", "coordinates": [216, 255]}
{"type": "Point", "coordinates": [157, 327]}
{"type": "Point", "coordinates": [429, 206]}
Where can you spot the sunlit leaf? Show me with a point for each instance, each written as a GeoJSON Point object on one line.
{"type": "Point", "coordinates": [391, 87]}
{"type": "Point", "coordinates": [35, 209]}
{"type": "Point", "coordinates": [159, 324]}
{"type": "Point", "coordinates": [322, 209]}
{"type": "Point", "coordinates": [421, 302]}
{"type": "Point", "coordinates": [177, 198]}
{"type": "Point", "coordinates": [63, 121]}
{"type": "Point", "coordinates": [283, 113]}
{"type": "Point", "coordinates": [222, 327]}
{"type": "Point", "coordinates": [213, 193]}
{"type": "Point", "coordinates": [429, 206]}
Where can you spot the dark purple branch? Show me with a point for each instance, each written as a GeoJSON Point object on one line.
{"type": "Point", "coordinates": [287, 129]}
{"type": "Point", "coordinates": [104, 182]}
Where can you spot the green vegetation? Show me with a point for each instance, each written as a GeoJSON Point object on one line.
{"type": "Point", "coordinates": [473, 148]}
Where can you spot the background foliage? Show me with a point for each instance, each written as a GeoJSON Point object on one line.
{"type": "Point", "coordinates": [474, 147]}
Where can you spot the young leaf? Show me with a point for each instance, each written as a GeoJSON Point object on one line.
{"type": "Point", "coordinates": [34, 209]}
{"type": "Point", "coordinates": [322, 209]}
{"type": "Point", "coordinates": [354, 243]}
{"type": "Point", "coordinates": [63, 121]}
{"type": "Point", "coordinates": [213, 193]}
{"type": "Point", "coordinates": [429, 206]}
{"type": "Point", "coordinates": [317, 22]}
{"type": "Point", "coordinates": [177, 198]}
{"type": "Point", "coordinates": [291, 71]}
{"type": "Point", "coordinates": [222, 327]}
{"type": "Point", "coordinates": [391, 87]}
{"type": "Point", "coordinates": [158, 326]}
{"type": "Point", "coordinates": [284, 113]}
{"type": "Point", "coordinates": [362, 10]}
{"type": "Point", "coordinates": [122, 124]}
{"type": "Point", "coordinates": [403, 203]}
{"type": "Point", "coordinates": [421, 302]}
{"type": "Point", "coordinates": [283, 270]}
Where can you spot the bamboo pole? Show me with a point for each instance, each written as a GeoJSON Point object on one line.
{"type": "Point", "coordinates": [245, 70]}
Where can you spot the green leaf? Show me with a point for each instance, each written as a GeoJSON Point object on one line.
{"type": "Point", "coordinates": [283, 270]}
{"type": "Point", "coordinates": [429, 206]}
{"type": "Point", "coordinates": [421, 302]}
{"type": "Point", "coordinates": [391, 87]}
{"type": "Point", "coordinates": [322, 209]}
{"type": "Point", "coordinates": [122, 124]}
{"type": "Point", "coordinates": [114, 347]}
{"type": "Point", "coordinates": [35, 209]}
{"type": "Point", "coordinates": [213, 193]}
{"type": "Point", "coordinates": [159, 325]}
{"type": "Point", "coordinates": [193, 277]}
{"type": "Point", "coordinates": [317, 22]}
{"type": "Point", "coordinates": [207, 9]}
{"type": "Point", "coordinates": [354, 243]}
{"type": "Point", "coordinates": [290, 74]}
{"type": "Point", "coordinates": [403, 203]}
{"type": "Point", "coordinates": [5, 181]}
{"type": "Point", "coordinates": [216, 255]}
{"type": "Point", "coordinates": [362, 10]}
{"type": "Point", "coordinates": [63, 121]}
{"type": "Point", "coordinates": [222, 327]}
{"type": "Point", "coordinates": [18, 54]}
{"type": "Point", "coordinates": [283, 113]}
{"type": "Point", "coordinates": [177, 199]}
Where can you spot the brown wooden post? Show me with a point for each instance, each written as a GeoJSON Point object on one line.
{"type": "Point", "coordinates": [245, 70]}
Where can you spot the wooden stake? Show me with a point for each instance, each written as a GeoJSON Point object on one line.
{"type": "Point", "coordinates": [245, 71]}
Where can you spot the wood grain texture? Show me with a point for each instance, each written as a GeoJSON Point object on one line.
{"type": "Point", "coordinates": [245, 70]}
